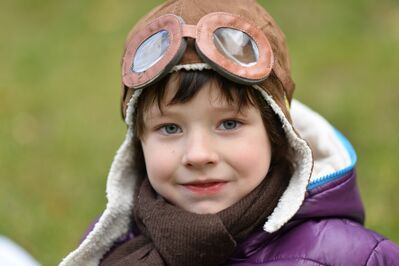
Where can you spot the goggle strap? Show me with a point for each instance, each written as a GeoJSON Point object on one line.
{"type": "Point", "coordinates": [189, 31]}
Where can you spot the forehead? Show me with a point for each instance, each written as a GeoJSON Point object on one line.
{"type": "Point", "coordinates": [177, 91]}
{"type": "Point", "coordinates": [210, 95]}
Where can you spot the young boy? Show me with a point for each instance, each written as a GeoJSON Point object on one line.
{"type": "Point", "coordinates": [218, 168]}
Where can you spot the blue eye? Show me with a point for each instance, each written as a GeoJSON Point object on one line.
{"type": "Point", "coordinates": [229, 124]}
{"type": "Point", "coordinates": [169, 129]}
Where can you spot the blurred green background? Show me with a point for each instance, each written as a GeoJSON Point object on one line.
{"type": "Point", "coordinates": [59, 104]}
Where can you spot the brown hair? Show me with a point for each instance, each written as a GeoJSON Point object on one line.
{"type": "Point", "coordinates": [189, 84]}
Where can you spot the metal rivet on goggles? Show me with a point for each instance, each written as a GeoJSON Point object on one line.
{"type": "Point", "coordinates": [231, 45]}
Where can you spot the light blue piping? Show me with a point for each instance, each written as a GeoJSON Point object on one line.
{"type": "Point", "coordinates": [327, 178]}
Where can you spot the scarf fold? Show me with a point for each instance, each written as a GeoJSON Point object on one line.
{"type": "Point", "coordinates": [175, 237]}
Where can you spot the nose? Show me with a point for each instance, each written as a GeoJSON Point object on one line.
{"type": "Point", "coordinates": [200, 151]}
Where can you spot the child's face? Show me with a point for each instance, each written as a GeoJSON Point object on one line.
{"type": "Point", "coordinates": [203, 156]}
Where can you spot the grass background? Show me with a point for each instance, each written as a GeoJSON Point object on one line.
{"type": "Point", "coordinates": [59, 104]}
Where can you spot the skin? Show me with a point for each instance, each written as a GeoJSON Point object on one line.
{"type": "Point", "coordinates": [203, 156]}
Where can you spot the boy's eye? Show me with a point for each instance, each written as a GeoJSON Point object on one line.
{"type": "Point", "coordinates": [170, 129]}
{"type": "Point", "coordinates": [229, 124]}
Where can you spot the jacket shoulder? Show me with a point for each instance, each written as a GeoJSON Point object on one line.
{"type": "Point", "coordinates": [385, 253]}
{"type": "Point", "coordinates": [327, 242]}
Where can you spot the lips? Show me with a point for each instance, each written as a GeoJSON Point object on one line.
{"type": "Point", "coordinates": [205, 187]}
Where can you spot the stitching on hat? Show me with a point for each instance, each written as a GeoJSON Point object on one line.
{"type": "Point", "coordinates": [181, 8]}
{"type": "Point", "coordinates": [174, 8]}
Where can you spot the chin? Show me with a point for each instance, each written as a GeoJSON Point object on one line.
{"type": "Point", "coordinates": [205, 209]}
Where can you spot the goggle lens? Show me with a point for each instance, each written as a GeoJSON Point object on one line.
{"type": "Point", "coordinates": [237, 46]}
{"type": "Point", "coordinates": [151, 51]}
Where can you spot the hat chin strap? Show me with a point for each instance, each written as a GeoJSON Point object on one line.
{"type": "Point", "coordinates": [115, 221]}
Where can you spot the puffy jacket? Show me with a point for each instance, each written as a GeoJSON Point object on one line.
{"type": "Point", "coordinates": [327, 230]}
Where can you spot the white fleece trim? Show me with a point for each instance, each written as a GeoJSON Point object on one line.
{"type": "Point", "coordinates": [330, 154]}
{"type": "Point", "coordinates": [115, 220]}
{"type": "Point", "coordinates": [293, 196]}
{"type": "Point", "coordinates": [188, 67]}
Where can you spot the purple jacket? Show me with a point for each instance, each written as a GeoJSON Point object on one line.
{"type": "Point", "coordinates": [326, 231]}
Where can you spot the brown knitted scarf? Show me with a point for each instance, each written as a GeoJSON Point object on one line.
{"type": "Point", "coordinates": [175, 237]}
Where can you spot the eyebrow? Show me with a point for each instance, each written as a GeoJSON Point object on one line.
{"type": "Point", "coordinates": [227, 108]}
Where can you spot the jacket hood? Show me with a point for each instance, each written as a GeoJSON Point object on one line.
{"type": "Point", "coordinates": [332, 190]}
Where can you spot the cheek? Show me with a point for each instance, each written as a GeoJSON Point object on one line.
{"type": "Point", "coordinates": [160, 161]}
{"type": "Point", "coordinates": [252, 157]}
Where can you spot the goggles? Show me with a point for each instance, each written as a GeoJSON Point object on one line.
{"type": "Point", "coordinates": [232, 46]}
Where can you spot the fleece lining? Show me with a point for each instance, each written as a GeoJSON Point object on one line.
{"type": "Point", "coordinates": [330, 154]}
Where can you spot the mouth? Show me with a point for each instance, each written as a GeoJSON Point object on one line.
{"type": "Point", "coordinates": [205, 187]}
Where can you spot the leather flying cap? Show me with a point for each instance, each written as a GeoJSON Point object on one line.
{"type": "Point", "coordinates": [279, 84]}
